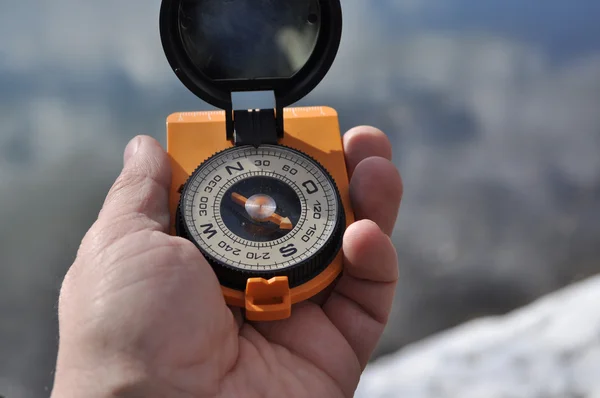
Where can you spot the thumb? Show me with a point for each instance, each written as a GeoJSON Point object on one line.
{"type": "Point", "coordinates": [140, 195]}
{"type": "Point", "coordinates": [139, 198]}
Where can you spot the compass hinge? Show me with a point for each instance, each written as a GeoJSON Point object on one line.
{"type": "Point", "coordinates": [255, 127]}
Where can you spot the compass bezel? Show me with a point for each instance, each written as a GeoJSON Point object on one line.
{"type": "Point", "coordinates": [299, 273]}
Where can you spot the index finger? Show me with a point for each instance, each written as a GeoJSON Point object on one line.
{"type": "Point", "coordinates": [363, 142]}
{"type": "Point", "coordinates": [375, 193]}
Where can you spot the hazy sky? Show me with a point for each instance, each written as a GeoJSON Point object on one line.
{"type": "Point", "coordinates": [500, 94]}
{"type": "Point", "coordinates": [64, 63]}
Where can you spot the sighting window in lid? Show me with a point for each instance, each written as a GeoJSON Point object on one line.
{"type": "Point", "coordinates": [249, 39]}
{"type": "Point", "coordinates": [217, 47]}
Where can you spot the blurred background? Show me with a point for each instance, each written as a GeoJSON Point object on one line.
{"type": "Point", "coordinates": [492, 108]}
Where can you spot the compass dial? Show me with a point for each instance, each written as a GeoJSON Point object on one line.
{"type": "Point", "coordinates": [262, 212]}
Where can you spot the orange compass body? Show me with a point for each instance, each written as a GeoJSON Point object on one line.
{"type": "Point", "coordinates": [193, 137]}
{"type": "Point", "coordinates": [263, 193]}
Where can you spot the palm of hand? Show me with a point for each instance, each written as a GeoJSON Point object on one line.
{"type": "Point", "coordinates": [141, 312]}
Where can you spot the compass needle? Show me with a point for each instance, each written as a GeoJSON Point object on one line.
{"type": "Point", "coordinates": [239, 199]}
{"type": "Point", "coordinates": [284, 223]}
{"type": "Point", "coordinates": [261, 208]}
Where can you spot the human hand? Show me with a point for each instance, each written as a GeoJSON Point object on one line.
{"type": "Point", "coordinates": [141, 312]}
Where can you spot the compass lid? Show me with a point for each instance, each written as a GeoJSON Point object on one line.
{"type": "Point", "coordinates": [219, 47]}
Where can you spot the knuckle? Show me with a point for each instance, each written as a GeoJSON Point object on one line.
{"type": "Point", "coordinates": [129, 179]}
{"type": "Point", "coordinates": [103, 234]}
{"type": "Point", "coordinates": [164, 249]}
{"type": "Point", "coordinates": [185, 250]}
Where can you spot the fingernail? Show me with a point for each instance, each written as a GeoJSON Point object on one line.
{"type": "Point", "coordinates": [131, 149]}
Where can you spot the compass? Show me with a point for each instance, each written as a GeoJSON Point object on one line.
{"type": "Point", "coordinates": [268, 207]}
{"type": "Point", "coordinates": [262, 212]}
